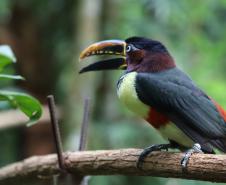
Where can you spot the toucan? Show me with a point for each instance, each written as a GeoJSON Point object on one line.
{"type": "Point", "coordinates": [154, 88]}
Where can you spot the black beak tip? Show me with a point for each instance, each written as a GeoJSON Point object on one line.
{"type": "Point", "coordinates": [81, 71]}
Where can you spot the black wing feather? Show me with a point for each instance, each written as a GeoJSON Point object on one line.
{"type": "Point", "coordinates": [174, 94]}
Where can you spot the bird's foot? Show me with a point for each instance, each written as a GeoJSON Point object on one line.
{"type": "Point", "coordinates": [195, 149]}
{"type": "Point", "coordinates": [150, 149]}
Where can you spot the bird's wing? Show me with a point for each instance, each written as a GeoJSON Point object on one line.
{"type": "Point", "coordinates": [187, 106]}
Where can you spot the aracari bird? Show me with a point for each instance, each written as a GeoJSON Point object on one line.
{"type": "Point", "coordinates": [156, 90]}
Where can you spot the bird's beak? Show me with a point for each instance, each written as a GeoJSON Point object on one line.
{"type": "Point", "coordinates": [107, 47]}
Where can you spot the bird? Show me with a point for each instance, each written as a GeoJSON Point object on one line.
{"type": "Point", "coordinates": [155, 89]}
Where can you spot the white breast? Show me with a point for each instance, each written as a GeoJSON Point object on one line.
{"type": "Point", "coordinates": [128, 96]}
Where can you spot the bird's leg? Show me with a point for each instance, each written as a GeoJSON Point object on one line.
{"type": "Point", "coordinates": [195, 149]}
{"type": "Point", "coordinates": [156, 147]}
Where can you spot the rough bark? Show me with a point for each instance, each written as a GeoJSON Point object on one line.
{"type": "Point", "coordinates": [33, 170]}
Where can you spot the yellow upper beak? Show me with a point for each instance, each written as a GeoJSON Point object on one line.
{"type": "Point", "coordinates": [107, 47]}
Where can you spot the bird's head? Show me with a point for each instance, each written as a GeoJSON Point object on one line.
{"type": "Point", "coordinates": [134, 54]}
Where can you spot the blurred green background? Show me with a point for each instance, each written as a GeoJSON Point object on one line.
{"type": "Point", "coordinates": [47, 37]}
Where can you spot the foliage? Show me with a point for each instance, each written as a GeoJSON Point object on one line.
{"type": "Point", "coordinates": [26, 103]}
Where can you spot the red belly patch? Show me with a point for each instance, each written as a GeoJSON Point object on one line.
{"type": "Point", "coordinates": [156, 119]}
{"type": "Point", "coordinates": [220, 109]}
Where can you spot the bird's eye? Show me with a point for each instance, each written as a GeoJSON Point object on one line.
{"type": "Point", "coordinates": [128, 48]}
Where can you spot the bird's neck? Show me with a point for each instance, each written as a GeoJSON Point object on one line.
{"type": "Point", "coordinates": [157, 63]}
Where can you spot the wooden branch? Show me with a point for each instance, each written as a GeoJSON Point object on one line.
{"type": "Point", "coordinates": [205, 167]}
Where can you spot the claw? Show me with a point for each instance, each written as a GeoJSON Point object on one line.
{"type": "Point", "coordinates": [195, 149]}
{"type": "Point", "coordinates": [150, 149]}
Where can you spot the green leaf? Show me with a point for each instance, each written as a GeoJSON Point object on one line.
{"type": "Point", "coordinates": [26, 103]}
{"type": "Point", "coordinates": [6, 56]}
{"type": "Point", "coordinates": [13, 77]}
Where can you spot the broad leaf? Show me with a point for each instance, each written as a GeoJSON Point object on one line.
{"type": "Point", "coordinates": [26, 103]}
{"type": "Point", "coordinates": [13, 77]}
{"type": "Point", "coordinates": [6, 56]}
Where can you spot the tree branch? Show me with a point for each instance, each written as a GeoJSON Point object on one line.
{"type": "Point", "coordinates": [205, 167]}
